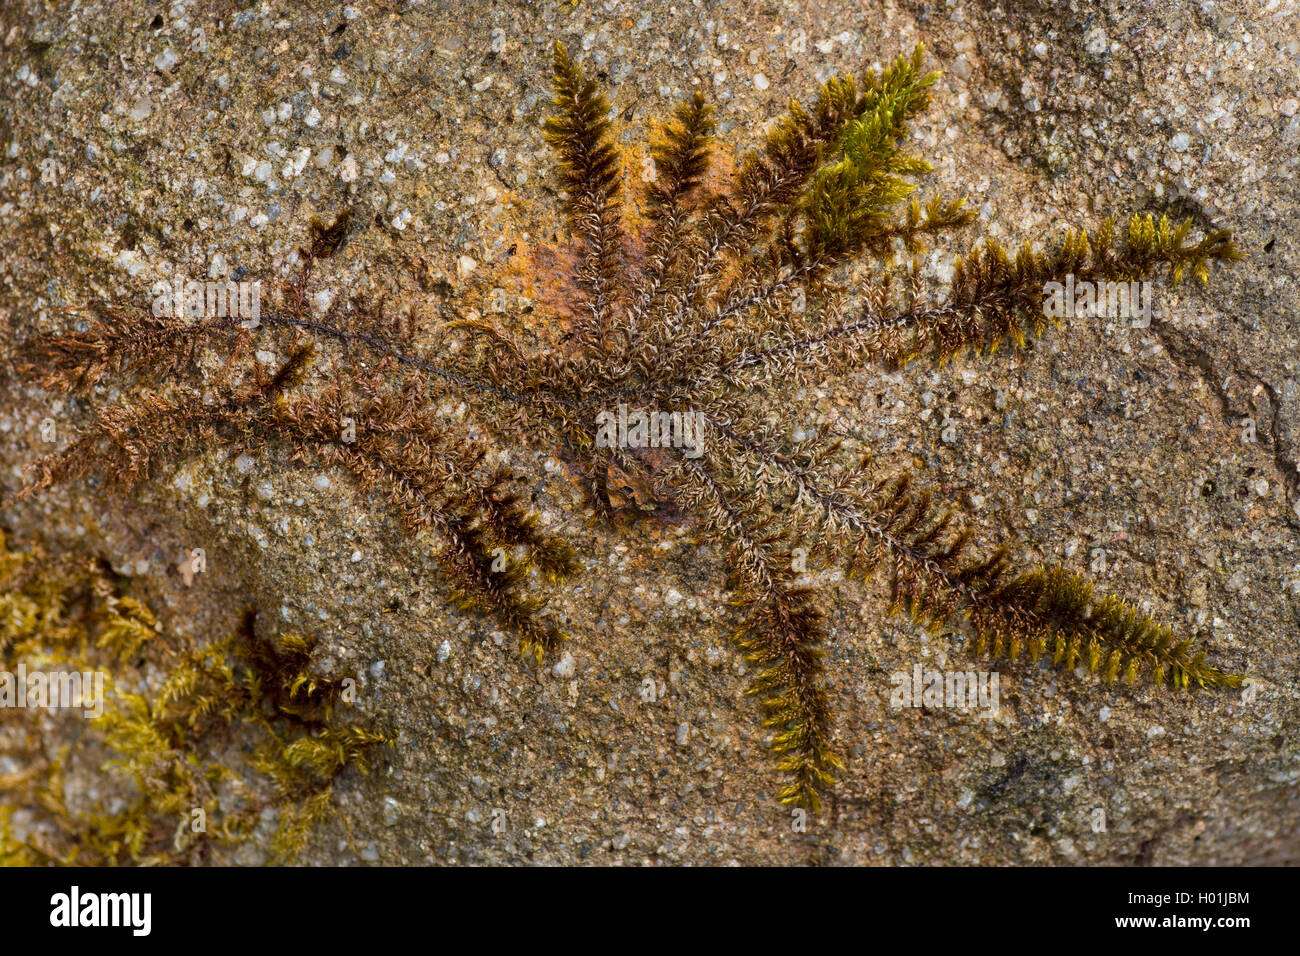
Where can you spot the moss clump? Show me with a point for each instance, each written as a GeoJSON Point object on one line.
{"type": "Point", "coordinates": [191, 747]}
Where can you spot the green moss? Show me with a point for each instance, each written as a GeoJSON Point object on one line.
{"type": "Point", "coordinates": [181, 774]}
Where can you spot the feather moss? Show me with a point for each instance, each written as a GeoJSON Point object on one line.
{"type": "Point", "coordinates": [737, 299]}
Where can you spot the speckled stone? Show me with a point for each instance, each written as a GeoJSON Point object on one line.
{"type": "Point", "coordinates": [138, 142]}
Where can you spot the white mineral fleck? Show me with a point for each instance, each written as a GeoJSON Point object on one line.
{"type": "Point", "coordinates": [565, 667]}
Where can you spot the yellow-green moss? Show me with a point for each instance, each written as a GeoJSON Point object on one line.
{"type": "Point", "coordinates": [182, 772]}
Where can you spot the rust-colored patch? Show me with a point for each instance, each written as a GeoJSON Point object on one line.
{"type": "Point", "coordinates": [543, 272]}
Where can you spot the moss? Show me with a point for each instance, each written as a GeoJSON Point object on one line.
{"type": "Point", "coordinates": [193, 747]}
{"type": "Point", "coordinates": [715, 299]}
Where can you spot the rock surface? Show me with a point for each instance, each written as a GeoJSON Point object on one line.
{"type": "Point", "coordinates": [136, 140]}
